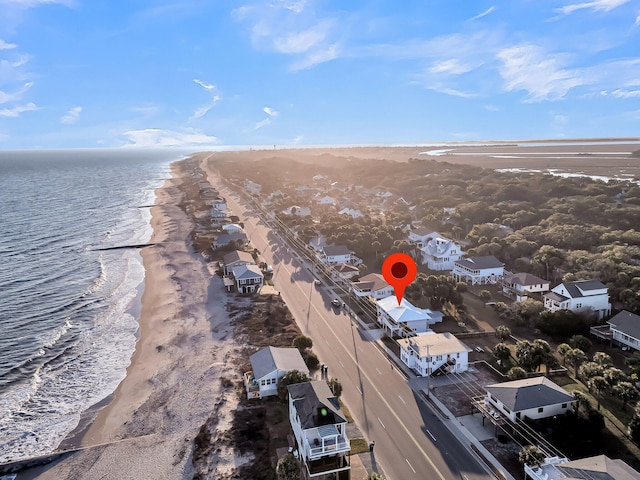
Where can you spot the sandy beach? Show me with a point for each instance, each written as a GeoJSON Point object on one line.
{"type": "Point", "coordinates": [173, 383]}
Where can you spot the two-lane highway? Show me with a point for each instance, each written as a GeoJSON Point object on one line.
{"type": "Point", "coordinates": [411, 441]}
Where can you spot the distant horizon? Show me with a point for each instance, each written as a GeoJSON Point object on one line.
{"type": "Point", "coordinates": [300, 73]}
{"type": "Point", "coordinates": [222, 148]}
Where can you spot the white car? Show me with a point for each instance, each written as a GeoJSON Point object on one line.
{"type": "Point", "coordinates": [336, 302]}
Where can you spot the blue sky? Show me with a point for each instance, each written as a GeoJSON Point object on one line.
{"type": "Point", "coordinates": [108, 73]}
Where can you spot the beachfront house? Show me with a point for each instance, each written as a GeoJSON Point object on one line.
{"type": "Point", "coordinates": [297, 211]}
{"type": "Point", "coordinates": [269, 365]}
{"type": "Point", "coordinates": [532, 398]}
{"type": "Point", "coordinates": [438, 253]}
{"type": "Point", "coordinates": [333, 254]}
{"type": "Point", "coordinates": [235, 259]}
{"type": "Point", "coordinates": [405, 319]}
{"type": "Point", "coordinates": [247, 278]}
{"type": "Point", "coordinates": [344, 272]}
{"type": "Point", "coordinates": [430, 352]}
{"type": "Point", "coordinates": [623, 329]}
{"type": "Point", "coordinates": [372, 285]}
{"type": "Point", "coordinates": [354, 213]}
{"type": "Point", "coordinates": [590, 296]}
{"type": "Point", "coordinates": [520, 286]}
{"type": "Point", "coordinates": [478, 270]}
{"type": "Point", "coordinates": [320, 429]}
{"type": "Point", "coordinates": [226, 239]}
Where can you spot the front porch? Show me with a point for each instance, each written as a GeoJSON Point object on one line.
{"type": "Point", "coordinates": [324, 441]}
{"type": "Point", "coordinates": [251, 385]}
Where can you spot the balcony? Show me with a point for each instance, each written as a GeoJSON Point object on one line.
{"type": "Point", "coordinates": [325, 441]}
{"type": "Point", "coordinates": [250, 383]}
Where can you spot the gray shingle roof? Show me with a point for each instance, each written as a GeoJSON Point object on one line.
{"type": "Point", "coordinates": [309, 397]}
{"type": "Point", "coordinates": [237, 255]}
{"type": "Point", "coordinates": [488, 261]}
{"type": "Point", "coordinates": [529, 393]}
{"type": "Point", "coordinates": [626, 322]}
{"type": "Point", "coordinates": [525, 279]}
{"type": "Point", "coordinates": [331, 250]}
{"type": "Point", "coordinates": [575, 289]}
{"type": "Point", "coordinates": [269, 359]}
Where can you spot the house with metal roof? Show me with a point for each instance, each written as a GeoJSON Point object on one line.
{"type": "Point", "coordinates": [320, 429]}
{"type": "Point", "coordinates": [404, 319]}
{"type": "Point", "coordinates": [532, 398]}
{"type": "Point", "coordinates": [247, 278]}
{"type": "Point", "coordinates": [333, 254]}
{"type": "Point", "coordinates": [269, 365]}
{"type": "Point", "coordinates": [478, 270]}
{"type": "Point", "coordinates": [583, 296]}
{"type": "Point", "coordinates": [625, 329]}
{"type": "Point", "coordinates": [235, 259]}
{"type": "Point", "coordinates": [438, 252]}
{"type": "Point", "coordinates": [372, 285]}
{"type": "Point", "coordinates": [430, 352]}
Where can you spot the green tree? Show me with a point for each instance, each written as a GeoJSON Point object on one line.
{"type": "Point", "coordinates": [516, 373]}
{"type": "Point", "coordinates": [502, 352]}
{"type": "Point", "coordinates": [598, 384]}
{"type": "Point", "coordinates": [542, 353]}
{"type": "Point", "coordinates": [633, 362]}
{"type": "Point", "coordinates": [603, 359]}
{"type": "Point", "coordinates": [531, 456]}
{"type": "Point", "coordinates": [525, 355]}
{"type": "Point", "coordinates": [311, 359]}
{"type": "Point", "coordinates": [375, 476]}
{"type": "Point", "coordinates": [335, 386]}
{"type": "Point", "coordinates": [634, 425]}
{"type": "Point", "coordinates": [627, 392]}
{"type": "Point", "coordinates": [581, 400]}
{"type": "Point", "coordinates": [581, 342]}
{"type": "Point", "coordinates": [290, 378]}
{"type": "Point", "coordinates": [575, 357]}
{"type": "Point", "coordinates": [503, 332]}
{"type": "Point", "coordinates": [288, 467]}
{"type": "Point", "coordinates": [588, 370]}
{"type": "Point", "coordinates": [614, 376]}
{"type": "Point", "coordinates": [485, 295]}
{"type": "Point", "coordinates": [562, 351]}
{"type": "Point", "coordinates": [302, 343]}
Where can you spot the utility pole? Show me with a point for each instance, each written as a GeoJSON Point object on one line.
{"type": "Point", "coordinates": [428, 373]}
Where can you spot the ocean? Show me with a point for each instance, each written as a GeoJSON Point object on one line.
{"type": "Point", "coordinates": [68, 308]}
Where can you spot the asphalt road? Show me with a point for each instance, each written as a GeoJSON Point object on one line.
{"type": "Point", "coordinates": [411, 442]}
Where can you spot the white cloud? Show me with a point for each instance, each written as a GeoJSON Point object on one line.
{"type": "Point", "coordinates": [491, 108]}
{"type": "Point", "coordinates": [72, 115]}
{"type": "Point", "coordinates": [156, 137]}
{"type": "Point", "coordinates": [293, 6]}
{"type": "Point", "coordinates": [147, 110]}
{"type": "Point", "coordinates": [18, 109]}
{"type": "Point", "coordinates": [296, 140]}
{"type": "Point", "coordinates": [33, 3]}
{"type": "Point", "coordinates": [637, 22]}
{"type": "Point", "coordinates": [7, 46]}
{"type": "Point", "coordinates": [300, 42]}
{"type": "Point", "coordinates": [206, 86]}
{"type": "Point", "coordinates": [620, 93]}
{"type": "Point", "coordinates": [452, 66]}
{"type": "Point", "coordinates": [485, 13]}
{"type": "Point", "coordinates": [262, 123]}
{"type": "Point", "coordinates": [451, 91]}
{"type": "Point", "coordinates": [271, 112]}
{"type": "Point", "coordinates": [596, 5]}
{"type": "Point", "coordinates": [527, 67]}
{"type": "Point", "coordinates": [15, 96]}
{"type": "Point", "coordinates": [316, 58]}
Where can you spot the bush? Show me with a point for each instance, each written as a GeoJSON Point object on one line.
{"type": "Point", "coordinates": [302, 343]}
{"type": "Point", "coordinates": [311, 359]}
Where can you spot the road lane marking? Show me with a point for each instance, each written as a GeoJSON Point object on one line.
{"type": "Point", "coordinates": [382, 423]}
{"type": "Point", "coordinates": [378, 370]}
{"type": "Point", "coordinates": [411, 466]}
{"type": "Point", "coordinates": [431, 435]}
{"type": "Point", "coordinates": [402, 399]}
{"type": "Point", "coordinates": [364, 374]}
{"type": "Point", "coordinates": [341, 364]}
{"type": "Point", "coordinates": [359, 391]}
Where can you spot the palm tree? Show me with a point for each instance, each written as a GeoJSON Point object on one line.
{"type": "Point", "coordinates": [531, 456]}
{"type": "Point", "coordinates": [626, 391]}
{"type": "Point", "coordinates": [575, 357]}
{"type": "Point", "coordinates": [598, 384]}
{"type": "Point", "coordinates": [562, 351]}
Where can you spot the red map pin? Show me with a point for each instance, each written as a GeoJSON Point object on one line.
{"type": "Point", "coordinates": [399, 270]}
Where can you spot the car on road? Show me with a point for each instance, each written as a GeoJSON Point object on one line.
{"type": "Point", "coordinates": [336, 302]}
{"type": "Point", "coordinates": [317, 283]}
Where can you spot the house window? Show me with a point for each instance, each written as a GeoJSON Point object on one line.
{"type": "Point", "coordinates": [540, 410]}
{"type": "Point", "coordinates": [439, 357]}
{"type": "Point", "coordinates": [506, 409]}
{"type": "Point", "coordinates": [564, 405]}
{"type": "Point", "coordinates": [457, 355]}
{"type": "Point", "coordinates": [262, 382]}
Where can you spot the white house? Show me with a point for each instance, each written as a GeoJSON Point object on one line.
{"type": "Point", "coordinates": [345, 272]}
{"type": "Point", "coordinates": [326, 200]}
{"type": "Point", "coordinates": [235, 259]}
{"type": "Point", "coordinates": [232, 228]}
{"type": "Point", "coordinates": [269, 365]}
{"type": "Point", "coordinates": [520, 286]}
{"type": "Point", "coordinates": [247, 278]}
{"type": "Point", "coordinates": [372, 285]}
{"type": "Point", "coordinates": [215, 213]}
{"type": "Point", "coordinates": [320, 429]}
{"type": "Point", "coordinates": [582, 296]}
{"type": "Point", "coordinates": [478, 270]}
{"type": "Point", "coordinates": [335, 254]}
{"type": "Point", "coordinates": [225, 239]}
{"type": "Point", "coordinates": [297, 211]}
{"type": "Point", "coordinates": [625, 329]}
{"type": "Point", "coordinates": [532, 398]}
{"type": "Point", "coordinates": [438, 252]}
{"type": "Point", "coordinates": [350, 211]}
{"type": "Point", "coordinates": [404, 319]}
{"type": "Point", "coordinates": [429, 352]}
{"type": "Point", "coordinates": [219, 204]}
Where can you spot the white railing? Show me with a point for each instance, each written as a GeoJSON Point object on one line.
{"type": "Point", "coordinates": [341, 446]}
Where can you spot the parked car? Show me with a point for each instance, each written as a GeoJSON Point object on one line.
{"type": "Point", "coordinates": [336, 302]}
{"type": "Point", "coordinates": [317, 283]}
